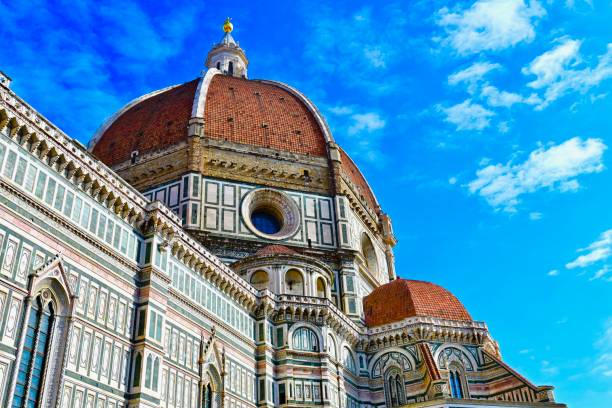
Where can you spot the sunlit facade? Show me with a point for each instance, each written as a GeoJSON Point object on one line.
{"type": "Point", "coordinates": [213, 246]}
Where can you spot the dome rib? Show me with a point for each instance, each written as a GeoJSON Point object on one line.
{"type": "Point", "coordinates": [262, 114]}
{"type": "Point", "coordinates": [356, 176]}
{"type": "Point", "coordinates": [150, 124]}
{"type": "Point", "coordinates": [108, 122]}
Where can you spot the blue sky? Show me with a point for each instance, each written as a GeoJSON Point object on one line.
{"type": "Point", "coordinates": [482, 126]}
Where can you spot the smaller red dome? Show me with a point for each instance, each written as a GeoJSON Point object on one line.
{"type": "Point", "coordinates": [275, 249]}
{"type": "Point", "coordinates": [404, 298]}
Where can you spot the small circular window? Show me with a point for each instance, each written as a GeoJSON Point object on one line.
{"type": "Point", "coordinates": [266, 222]}
{"type": "Point", "coordinates": [270, 214]}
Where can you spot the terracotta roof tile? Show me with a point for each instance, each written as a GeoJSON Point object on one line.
{"type": "Point", "coordinates": [260, 114]}
{"type": "Point", "coordinates": [152, 124]}
{"type": "Point", "coordinates": [404, 298]}
{"type": "Point", "coordinates": [236, 109]}
{"type": "Point", "coordinates": [275, 249]}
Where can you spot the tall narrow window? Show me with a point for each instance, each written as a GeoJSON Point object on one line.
{"type": "Point", "coordinates": [155, 373]}
{"type": "Point", "coordinates": [148, 372]}
{"type": "Point", "coordinates": [455, 383]}
{"type": "Point", "coordinates": [394, 383]}
{"type": "Point", "coordinates": [34, 355]}
{"type": "Point", "coordinates": [208, 397]}
{"type": "Point", "coordinates": [230, 68]}
{"type": "Point", "coordinates": [137, 368]}
{"type": "Point", "coordinates": [349, 362]}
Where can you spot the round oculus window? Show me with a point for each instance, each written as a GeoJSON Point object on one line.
{"type": "Point", "coordinates": [270, 214]}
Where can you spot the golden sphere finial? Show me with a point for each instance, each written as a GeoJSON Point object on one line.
{"type": "Point", "coordinates": [228, 26]}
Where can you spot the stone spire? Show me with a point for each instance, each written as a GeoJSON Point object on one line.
{"type": "Point", "coordinates": [226, 55]}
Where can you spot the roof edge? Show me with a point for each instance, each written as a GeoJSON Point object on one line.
{"type": "Point", "coordinates": [108, 122]}
{"type": "Point", "coordinates": [199, 101]}
{"type": "Point", "coordinates": [363, 177]}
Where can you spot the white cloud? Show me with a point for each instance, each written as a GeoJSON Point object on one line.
{"type": "Point", "coordinates": [549, 369]}
{"type": "Point", "coordinates": [503, 127]}
{"type": "Point", "coordinates": [474, 77]}
{"type": "Point", "coordinates": [554, 272]}
{"type": "Point", "coordinates": [595, 252]}
{"type": "Point", "coordinates": [534, 216]}
{"type": "Point", "coordinates": [561, 71]}
{"type": "Point", "coordinates": [363, 129]}
{"type": "Point", "coordinates": [595, 255]}
{"type": "Point", "coordinates": [376, 56]}
{"type": "Point", "coordinates": [452, 180]}
{"type": "Point", "coordinates": [490, 25]}
{"type": "Point", "coordinates": [600, 273]}
{"type": "Point", "coordinates": [352, 45]}
{"type": "Point", "coordinates": [552, 168]}
{"type": "Point", "coordinates": [551, 65]}
{"type": "Point", "coordinates": [366, 122]}
{"type": "Point", "coordinates": [603, 365]}
{"type": "Point", "coordinates": [341, 110]}
{"type": "Point", "coordinates": [468, 116]}
{"type": "Point", "coordinates": [497, 98]}
{"type": "Point", "coordinates": [473, 74]}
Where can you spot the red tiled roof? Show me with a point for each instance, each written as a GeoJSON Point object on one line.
{"type": "Point", "coordinates": [404, 298]}
{"type": "Point", "coordinates": [275, 249]}
{"type": "Point", "coordinates": [354, 174]}
{"type": "Point", "coordinates": [155, 123]}
{"type": "Point", "coordinates": [261, 114]}
{"type": "Point", "coordinates": [236, 109]}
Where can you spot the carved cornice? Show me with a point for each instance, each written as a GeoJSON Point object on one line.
{"type": "Point", "coordinates": [314, 309]}
{"type": "Point", "coordinates": [68, 158]}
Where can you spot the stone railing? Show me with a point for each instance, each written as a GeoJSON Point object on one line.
{"type": "Point", "coordinates": [322, 307]}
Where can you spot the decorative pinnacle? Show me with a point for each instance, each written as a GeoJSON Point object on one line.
{"type": "Point", "coordinates": [228, 26]}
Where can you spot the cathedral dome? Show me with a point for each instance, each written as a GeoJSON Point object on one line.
{"type": "Point", "coordinates": [250, 112]}
{"type": "Point", "coordinates": [403, 298]}
{"type": "Point", "coordinates": [226, 126]}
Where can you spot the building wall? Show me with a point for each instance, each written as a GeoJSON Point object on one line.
{"type": "Point", "coordinates": [145, 316]}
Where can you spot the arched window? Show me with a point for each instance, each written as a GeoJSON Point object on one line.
{"type": "Point", "coordinates": [369, 255]}
{"type": "Point", "coordinates": [208, 396]}
{"type": "Point", "coordinates": [34, 355]}
{"type": "Point", "coordinates": [294, 282]}
{"type": "Point", "coordinates": [348, 360]}
{"type": "Point", "coordinates": [137, 368]}
{"type": "Point", "coordinates": [260, 280]}
{"type": "Point", "coordinates": [148, 371]}
{"type": "Point", "coordinates": [230, 68]}
{"type": "Point", "coordinates": [394, 388]}
{"type": "Point", "coordinates": [305, 339]}
{"type": "Point", "coordinates": [321, 288]}
{"type": "Point", "coordinates": [455, 383]}
{"type": "Point", "coordinates": [331, 347]}
{"type": "Point", "coordinates": [218, 65]}
{"type": "Point", "coordinates": [212, 395]}
{"type": "Point", "coordinates": [155, 373]}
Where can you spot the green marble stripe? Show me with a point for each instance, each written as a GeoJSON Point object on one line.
{"type": "Point", "coordinates": [196, 319]}
{"type": "Point", "coordinates": [101, 386]}
{"type": "Point", "coordinates": [65, 239]}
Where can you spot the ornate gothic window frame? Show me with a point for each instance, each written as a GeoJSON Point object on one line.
{"type": "Point", "coordinates": [50, 284]}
